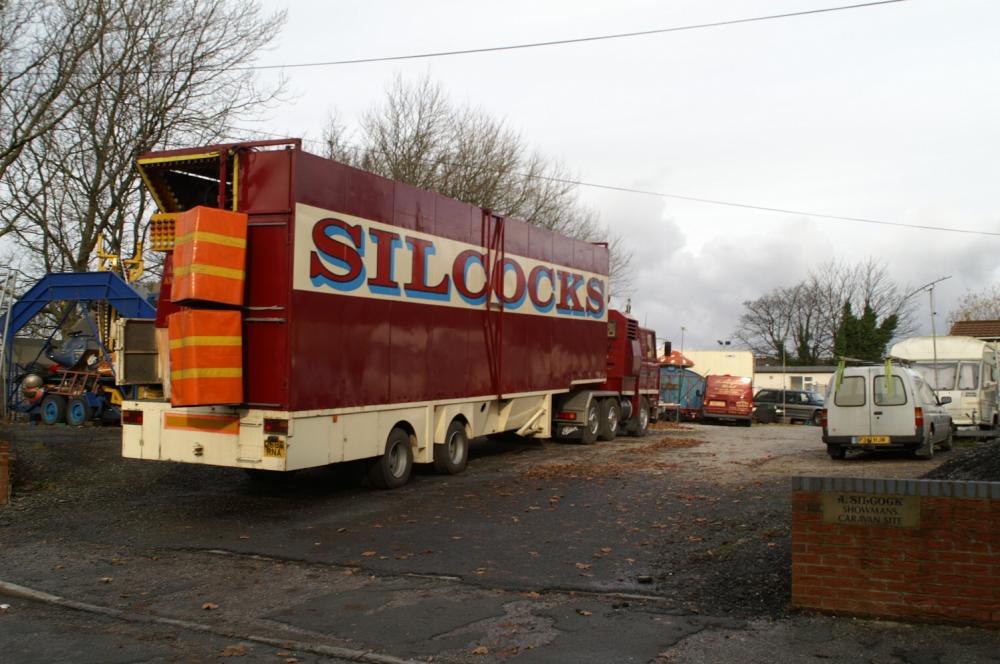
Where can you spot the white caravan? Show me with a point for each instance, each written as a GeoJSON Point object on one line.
{"type": "Point", "coordinates": [966, 371]}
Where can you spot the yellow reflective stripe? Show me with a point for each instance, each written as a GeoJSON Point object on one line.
{"type": "Point", "coordinates": [206, 341]}
{"type": "Point", "coordinates": [210, 270]}
{"type": "Point", "coordinates": [183, 374]}
{"type": "Point", "coordinates": [209, 423]}
{"type": "Point", "coordinates": [214, 238]}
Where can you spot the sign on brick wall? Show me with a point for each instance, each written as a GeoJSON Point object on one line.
{"type": "Point", "coordinates": [865, 509]}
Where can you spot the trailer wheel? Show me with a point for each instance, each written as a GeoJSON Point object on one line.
{"type": "Point", "coordinates": [392, 469]}
{"type": "Point", "coordinates": [588, 435]}
{"type": "Point", "coordinates": [53, 409]}
{"type": "Point", "coordinates": [78, 411]}
{"type": "Point", "coordinates": [451, 456]}
{"type": "Point", "coordinates": [639, 425]}
{"type": "Point", "coordinates": [609, 416]}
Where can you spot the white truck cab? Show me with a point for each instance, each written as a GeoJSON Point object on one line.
{"type": "Point", "coordinates": [884, 408]}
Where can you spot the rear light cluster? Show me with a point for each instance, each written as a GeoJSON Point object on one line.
{"type": "Point", "coordinates": [279, 427]}
{"type": "Point", "coordinates": [823, 417]}
{"type": "Point", "coordinates": [918, 417]}
{"type": "Point", "coordinates": [132, 417]}
{"type": "Point", "coordinates": [566, 416]}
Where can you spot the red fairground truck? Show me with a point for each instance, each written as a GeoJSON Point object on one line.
{"type": "Point", "coordinates": [312, 313]}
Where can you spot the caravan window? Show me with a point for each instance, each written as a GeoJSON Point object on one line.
{"type": "Point", "coordinates": [968, 376]}
{"type": "Point", "coordinates": [940, 378]}
{"type": "Point", "coordinates": [851, 391]}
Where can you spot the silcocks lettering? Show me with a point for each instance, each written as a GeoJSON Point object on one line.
{"type": "Point", "coordinates": [350, 258]}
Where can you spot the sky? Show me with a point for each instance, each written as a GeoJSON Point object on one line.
{"type": "Point", "coordinates": [887, 113]}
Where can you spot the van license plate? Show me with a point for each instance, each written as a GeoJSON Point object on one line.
{"type": "Point", "coordinates": [717, 404]}
{"type": "Point", "coordinates": [873, 440]}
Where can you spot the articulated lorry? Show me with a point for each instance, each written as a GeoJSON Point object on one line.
{"type": "Point", "coordinates": [312, 313]}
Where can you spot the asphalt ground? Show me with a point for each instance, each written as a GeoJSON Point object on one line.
{"type": "Point", "coordinates": [669, 548]}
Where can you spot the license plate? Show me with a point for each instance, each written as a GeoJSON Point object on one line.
{"type": "Point", "coordinates": [873, 440]}
{"type": "Point", "coordinates": [720, 404]}
{"type": "Point", "coordinates": [274, 447]}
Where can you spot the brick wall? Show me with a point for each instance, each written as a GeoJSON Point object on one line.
{"type": "Point", "coordinates": [922, 550]}
{"type": "Point", "coordinates": [4, 472]}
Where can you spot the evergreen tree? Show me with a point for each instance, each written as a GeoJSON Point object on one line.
{"type": "Point", "coordinates": [864, 338]}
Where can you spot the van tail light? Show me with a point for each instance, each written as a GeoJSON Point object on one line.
{"type": "Point", "coordinates": [918, 417]}
{"type": "Point", "coordinates": [822, 417]}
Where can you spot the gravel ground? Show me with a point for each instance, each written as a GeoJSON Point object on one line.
{"type": "Point", "coordinates": [978, 462]}
{"type": "Point", "coordinates": [693, 518]}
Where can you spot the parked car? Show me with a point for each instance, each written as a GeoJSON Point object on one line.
{"type": "Point", "coordinates": [874, 408]}
{"type": "Point", "coordinates": [794, 405]}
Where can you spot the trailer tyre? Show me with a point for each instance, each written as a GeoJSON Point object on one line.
{"type": "Point", "coordinates": [392, 469]}
{"type": "Point", "coordinates": [591, 428]}
{"type": "Point", "coordinates": [53, 409]}
{"type": "Point", "coordinates": [452, 456]}
{"type": "Point", "coordinates": [609, 416]}
{"type": "Point", "coordinates": [639, 425]}
{"type": "Point", "coordinates": [78, 412]}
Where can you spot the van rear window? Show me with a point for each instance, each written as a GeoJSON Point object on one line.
{"type": "Point", "coordinates": [851, 392]}
{"type": "Point", "coordinates": [889, 393]}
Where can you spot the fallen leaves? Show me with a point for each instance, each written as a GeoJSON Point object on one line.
{"type": "Point", "coordinates": [209, 606]}
{"type": "Point", "coordinates": [234, 651]}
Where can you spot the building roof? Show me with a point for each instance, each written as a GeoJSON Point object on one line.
{"type": "Point", "coordinates": [987, 330]}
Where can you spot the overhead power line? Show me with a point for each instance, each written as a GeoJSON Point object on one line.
{"type": "Point", "coordinates": [561, 42]}
{"type": "Point", "coordinates": [662, 194]}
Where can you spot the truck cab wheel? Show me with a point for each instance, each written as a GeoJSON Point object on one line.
{"type": "Point", "coordinates": [591, 428]}
{"type": "Point", "coordinates": [53, 409]}
{"type": "Point", "coordinates": [639, 425]}
{"type": "Point", "coordinates": [452, 456]}
{"type": "Point", "coordinates": [392, 469]}
{"type": "Point", "coordinates": [609, 416]}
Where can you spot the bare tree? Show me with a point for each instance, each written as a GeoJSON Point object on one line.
{"type": "Point", "coordinates": [44, 49]}
{"type": "Point", "coordinates": [164, 72]}
{"type": "Point", "coordinates": [418, 136]}
{"type": "Point", "coordinates": [809, 314]}
{"type": "Point", "coordinates": [977, 305]}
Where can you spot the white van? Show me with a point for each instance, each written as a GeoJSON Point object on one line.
{"type": "Point", "coordinates": [966, 371]}
{"type": "Point", "coordinates": [870, 408]}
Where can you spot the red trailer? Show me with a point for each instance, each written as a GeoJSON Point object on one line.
{"type": "Point", "coordinates": [372, 320]}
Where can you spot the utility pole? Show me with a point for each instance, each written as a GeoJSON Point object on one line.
{"type": "Point", "coordinates": [930, 289]}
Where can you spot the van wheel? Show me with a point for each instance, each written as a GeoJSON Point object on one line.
{"type": "Point", "coordinates": [452, 456]}
{"type": "Point", "coordinates": [926, 451]}
{"type": "Point", "coordinates": [948, 442]}
{"type": "Point", "coordinates": [836, 451]}
{"type": "Point", "coordinates": [392, 469]}
{"type": "Point", "coordinates": [610, 415]}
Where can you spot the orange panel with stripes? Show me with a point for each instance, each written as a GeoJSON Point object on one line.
{"type": "Point", "coordinates": [210, 247]}
{"type": "Point", "coordinates": [206, 357]}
